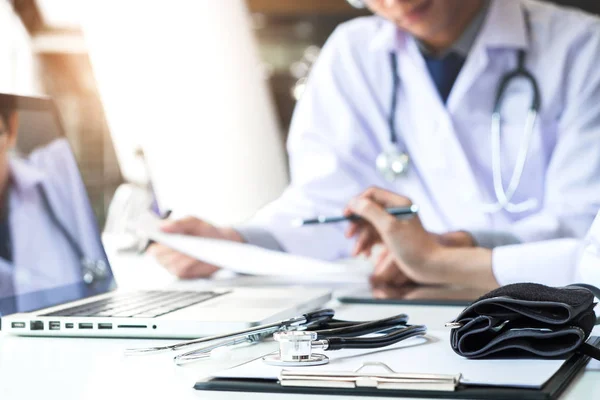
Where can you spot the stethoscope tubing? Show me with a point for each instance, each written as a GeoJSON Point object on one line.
{"type": "Point", "coordinates": [375, 342]}
{"type": "Point", "coordinates": [88, 266]}
{"type": "Point", "coordinates": [338, 328]}
{"type": "Point", "coordinates": [503, 196]}
{"type": "Point", "coordinates": [305, 320]}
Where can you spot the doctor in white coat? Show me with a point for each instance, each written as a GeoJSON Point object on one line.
{"type": "Point", "coordinates": [419, 80]}
{"type": "Point", "coordinates": [46, 224]}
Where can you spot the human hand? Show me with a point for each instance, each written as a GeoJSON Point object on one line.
{"type": "Point", "coordinates": [184, 266]}
{"type": "Point", "coordinates": [411, 245]}
{"type": "Point", "coordinates": [388, 271]}
{"type": "Point", "coordinates": [423, 257]}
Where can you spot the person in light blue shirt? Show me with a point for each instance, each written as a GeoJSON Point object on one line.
{"type": "Point", "coordinates": [419, 80]}
{"type": "Point", "coordinates": [44, 209]}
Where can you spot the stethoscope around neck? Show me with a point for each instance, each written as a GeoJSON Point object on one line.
{"type": "Point", "coordinates": [393, 163]}
{"type": "Point", "coordinates": [92, 271]}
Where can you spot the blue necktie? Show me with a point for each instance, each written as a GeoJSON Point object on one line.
{"type": "Point", "coordinates": [444, 71]}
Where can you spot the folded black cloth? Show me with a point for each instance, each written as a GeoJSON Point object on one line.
{"type": "Point", "coordinates": [526, 319]}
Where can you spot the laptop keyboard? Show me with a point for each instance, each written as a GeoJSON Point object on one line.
{"type": "Point", "coordinates": [146, 304]}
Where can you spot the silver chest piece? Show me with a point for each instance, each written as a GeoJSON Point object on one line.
{"type": "Point", "coordinates": [392, 164]}
{"type": "Point", "coordinates": [295, 350]}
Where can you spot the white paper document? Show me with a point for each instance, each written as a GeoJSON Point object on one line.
{"type": "Point", "coordinates": [430, 355]}
{"type": "Point", "coordinates": [253, 260]}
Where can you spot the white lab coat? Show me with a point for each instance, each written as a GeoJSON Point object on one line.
{"type": "Point", "coordinates": [42, 256]}
{"type": "Point", "coordinates": [340, 127]}
{"type": "Point", "coordinates": [557, 262]}
{"type": "Point", "coordinates": [588, 269]}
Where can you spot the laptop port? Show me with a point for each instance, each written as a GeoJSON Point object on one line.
{"type": "Point", "coordinates": [69, 325]}
{"type": "Point", "coordinates": [18, 325]}
{"type": "Point", "coordinates": [132, 326]}
{"type": "Point", "coordinates": [54, 326]}
{"type": "Point", "coordinates": [104, 326]}
{"type": "Point", "coordinates": [86, 325]}
{"type": "Point", "coordinates": [36, 325]}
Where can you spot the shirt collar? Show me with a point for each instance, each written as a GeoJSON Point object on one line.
{"type": "Point", "coordinates": [499, 24]}
{"type": "Point", "coordinates": [388, 37]}
{"type": "Point", "coordinates": [24, 176]}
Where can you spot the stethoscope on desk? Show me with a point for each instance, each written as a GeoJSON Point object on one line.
{"type": "Point", "coordinates": [393, 163]}
{"type": "Point", "coordinates": [92, 271]}
{"type": "Point", "coordinates": [298, 336]}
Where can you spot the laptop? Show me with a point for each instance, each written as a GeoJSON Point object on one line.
{"type": "Point", "coordinates": [55, 277]}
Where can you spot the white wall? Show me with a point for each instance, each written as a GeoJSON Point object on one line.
{"type": "Point", "coordinates": [19, 67]}
{"type": "Point", "coordinates": [183, 78]}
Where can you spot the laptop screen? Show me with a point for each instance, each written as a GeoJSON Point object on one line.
{"type": "Point", "coordinates": [50, 246]}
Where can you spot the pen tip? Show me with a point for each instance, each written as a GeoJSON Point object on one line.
{"type": "Point", "coordinates": [414, 208]}
{"type": "Point", "coordinates": [297, 223]}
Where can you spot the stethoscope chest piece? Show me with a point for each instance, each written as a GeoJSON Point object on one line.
{"type": "Point", "coordinates": [93, 271]}
{"type": "Point", "coordinates": [295, 350]}
{"type": "Point", "coordinates": [392, 164]}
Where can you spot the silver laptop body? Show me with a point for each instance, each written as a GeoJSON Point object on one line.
{"type": "Point", "coordinates": [57, 280]}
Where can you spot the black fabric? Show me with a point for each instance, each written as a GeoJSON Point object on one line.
{"type": "Point", "coordinates": [525, 319]}
{"type": "Point", "coordinates": [5, 243]}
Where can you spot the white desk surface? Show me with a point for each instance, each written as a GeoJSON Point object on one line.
{"type": "Point", "coordinates": [65, 369]}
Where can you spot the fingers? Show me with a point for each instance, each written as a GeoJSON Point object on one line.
{"type": "Point", "coordinates": [353, 229]}
{"type": "Point", "coordinates": [187, 226]}
{"type": "Point", "coordinates": [367, 238]}
{"type": "Point", "coordinates": [387, 271]}
{"type": "Point", "coordinates": [370, 204]}
{"type": "Point", "coordinates": [185, 267]}
{"type": "Point", "coordinates": [386, 198]}
{"type": "Point", "coordinates": [179, 264]}
{"type": "Point", "coordinates": [372, 212]}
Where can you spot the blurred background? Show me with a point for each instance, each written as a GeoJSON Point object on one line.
{"type": "Point", "coordinates": [195, 94]}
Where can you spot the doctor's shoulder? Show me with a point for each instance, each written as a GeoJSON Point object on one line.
{"type": "Point", "coordinates": [56, 159]}
{"type": "Point", "coordinates": [554, 25]}
{"type": "Point", "coordinates": [57, 152]}
{"type": "Point", "coordinates": [354, 38]}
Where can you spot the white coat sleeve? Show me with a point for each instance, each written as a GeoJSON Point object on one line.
{"type": "Point", "coordinates": [572, 193]}
{"type": "Point", "coordinates": [549, 262]}
{"type": "Point", "coordinates": [588, 269]}
{"type": "Point", "coordinates": [553, 262]}
{"type": "Point", "coordinates": [331, 151]}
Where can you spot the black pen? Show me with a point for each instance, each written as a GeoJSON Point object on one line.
{"type": "Point", "coordinates": [321, 219]}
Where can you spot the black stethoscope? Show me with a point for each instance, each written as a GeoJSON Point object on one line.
{"type": "Point", "coordinates": [296, 347]}
{"type": "Point", "coordinates": [393, 163]}
{"type": "Point", "coordinates": [92, 271]}
{"type": "Point", "coordinates": [298, 337]}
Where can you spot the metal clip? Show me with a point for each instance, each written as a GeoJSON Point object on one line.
{"type": "Point", "coordinates": [389, 379]}
{"type": "Point", "coordinates": [453, 325]}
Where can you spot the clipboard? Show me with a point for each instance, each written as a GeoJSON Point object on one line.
{"type": "Point", "coordinates": [552, 389]}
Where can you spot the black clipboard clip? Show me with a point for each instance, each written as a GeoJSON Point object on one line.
{"type": "Point", "coordinates": [388, 379]}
